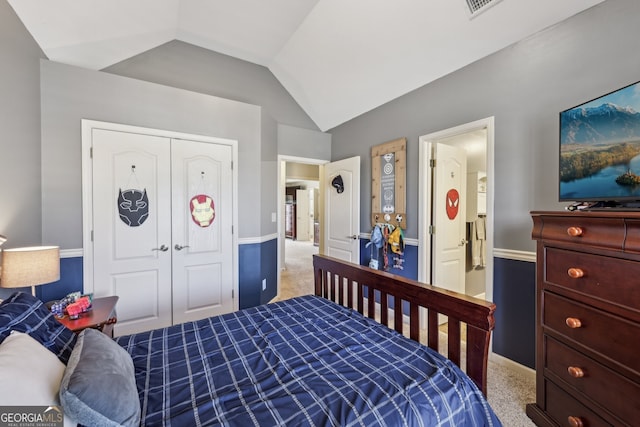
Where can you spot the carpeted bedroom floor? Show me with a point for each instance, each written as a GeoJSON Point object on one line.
{"type": "Point", "coordinates": [510, 385]}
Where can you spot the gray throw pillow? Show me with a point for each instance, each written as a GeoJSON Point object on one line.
{"type": "Point", "coordinates": [98, 387]}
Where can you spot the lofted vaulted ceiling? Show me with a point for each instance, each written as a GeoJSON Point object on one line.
{"type": "Point", "coordinates": [337, 58]}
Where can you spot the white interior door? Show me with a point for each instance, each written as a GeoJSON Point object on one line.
{"type": "Point", "coordinates": [341, 184]}
{"type": "Point", "coordinates": [202, 228]}
{"type": "Point", "coordinates": [302, 215]}
{"type": "Point", "coordinates": [448, 218]}
{"type": "Point", "coordinates": [132, 227]}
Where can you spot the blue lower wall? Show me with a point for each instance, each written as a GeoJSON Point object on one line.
{"type": "Point", "coordinates": [258, 261]}
{"type": "Point", "coordinates": [409, 265]}
{"type": "Point", "coordinates": [70, 280]}
{"type": "Point", "coordinates": [513, 291]}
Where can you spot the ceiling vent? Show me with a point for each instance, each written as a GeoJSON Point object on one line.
{"type": "Point", "coordinates": [476, 7]}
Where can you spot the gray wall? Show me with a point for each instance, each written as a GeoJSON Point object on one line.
{"type": "Point", "coordinates": [298, 142]}
{"type": "Point", "coordinates": [185, 66]}
{"type": "Point", "coordinates": [29, 187]}
{"type": "Point", "coordinates": [181, 65]}
{"type": "Point", "coordinates": [524, 87]}
{"type": "Point", "coordinates": [269, 175]}
{"type": "Point", "coordinates": [70, 94]}
{"type": "Point", "coordinates": [20, 204]}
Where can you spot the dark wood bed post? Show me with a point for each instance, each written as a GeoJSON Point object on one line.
{"type": "Point", "coordinates": [334, 278]}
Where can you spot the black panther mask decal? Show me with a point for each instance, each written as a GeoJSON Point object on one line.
{"type": "Point", "coordinates": [133, 207]}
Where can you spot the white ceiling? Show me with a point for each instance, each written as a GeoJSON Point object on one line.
{"type": "Point", "coordinates": [337, 58]}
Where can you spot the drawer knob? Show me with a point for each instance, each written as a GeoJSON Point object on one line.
{"type": "Point", "coordinates": [574, 231]}
{"type": "Point", "coordinates": [575, 421]}
{"type": "Point", "coordinates": [573, 323]}
{"type": "Point", "coordinates": [575, 372]}
{"type": "Point", "coordinates": [575, 273]}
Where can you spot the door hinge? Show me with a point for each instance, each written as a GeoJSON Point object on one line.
{"type": "Point", "coordinates": [91, 152]}
{"type": "Point", "coordinates": [432, 229]}
{"type": "Point", "coordinates": [232, 229]}
{"type": "Point", "coordinates": [92, 235]}
{"type": "Point", "coordinates": [233, 294]}
{"type": "Point", "coordinates": [232, 165]}
{"type": "Point", "coordinates": [432, 163]}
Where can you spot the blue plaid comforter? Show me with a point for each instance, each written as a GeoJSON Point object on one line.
{"type": "Point", "coordinates": [304, 361]}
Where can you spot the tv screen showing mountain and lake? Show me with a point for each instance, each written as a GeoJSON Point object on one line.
{"type": "Point", "coordinates": [600, 148]}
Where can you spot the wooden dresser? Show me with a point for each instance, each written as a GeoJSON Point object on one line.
{"type": "Point", "coordinates": [588, 319]}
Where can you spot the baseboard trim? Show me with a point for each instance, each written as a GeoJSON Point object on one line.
{"type": "Point", "coordinates": [504, 361]}
{"type": "Point", "coordinates": [257, 240]}
{"type": "Point", "coordinates": [71, 253]}
{"type": "Point", "coordinates": [514, 255]}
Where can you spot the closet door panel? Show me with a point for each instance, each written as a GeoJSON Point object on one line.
{"type": "Point", "coordinates": [204, 286]}
{"type": "Point", "coordinates": [202, 230]}
{"type": "Point", "coordinates": [132, 227]}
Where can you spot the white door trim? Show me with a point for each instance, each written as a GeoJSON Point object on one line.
{"type": "Point", "coordinates": [87, 190]}
{"type": "Point", "coordinates": [424, 205]}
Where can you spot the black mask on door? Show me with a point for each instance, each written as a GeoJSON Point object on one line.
{"type": "Point", "coordinates": [338, 184]}
{"type": "Point", "coordinates": [133, 207]}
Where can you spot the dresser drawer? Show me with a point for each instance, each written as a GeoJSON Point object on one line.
{"type": "Point", "coordinates": [609, 336]}
{"type": "Point", "coordinates": [600, 232]}
{"type": "Point", "coordinates": [600, 384]}
{"type": "Point", "coordinates": [611, 279]}
{"type": "Point", "coordinates": [561, 406]}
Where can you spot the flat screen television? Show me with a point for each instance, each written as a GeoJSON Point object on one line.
{"type": "Point", "coordinates": [600, 149]}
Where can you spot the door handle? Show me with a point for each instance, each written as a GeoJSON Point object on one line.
{"type": "Point", "coordinates": [162, 248]}
{"type": "Point", "coordinates": [353, 237]}
{"type": "Point", "coordinates": [463, 242]}
{"type": "Point", "coordinates": [178, 247]}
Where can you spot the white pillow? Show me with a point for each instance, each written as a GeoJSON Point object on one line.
{"type": "Point", "coordinates": [31, 374]}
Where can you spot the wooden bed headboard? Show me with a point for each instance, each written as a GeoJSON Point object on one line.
{"type": "Point", "coordinates": [352, 285]}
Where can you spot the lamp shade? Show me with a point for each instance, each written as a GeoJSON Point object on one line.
{"type": "Point", "coordinates": [30, 266]}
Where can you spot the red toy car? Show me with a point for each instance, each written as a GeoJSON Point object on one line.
{"type": "Point", "coordinates": [80, 306]}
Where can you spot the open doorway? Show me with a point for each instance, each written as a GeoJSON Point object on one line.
{"type": "Point", "coordinates": [476, 141]}
{"type": "Point", "coordinates": [299, 224]}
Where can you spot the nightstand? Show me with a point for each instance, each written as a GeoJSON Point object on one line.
{"type": "Point", "coordinates": [102, 316]}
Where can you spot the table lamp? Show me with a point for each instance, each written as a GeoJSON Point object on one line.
{"type": "Point", "coordinates": [30, 266]}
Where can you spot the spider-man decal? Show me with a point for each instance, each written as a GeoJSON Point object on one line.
{"type": "Point", "coordinates": [453, 203]}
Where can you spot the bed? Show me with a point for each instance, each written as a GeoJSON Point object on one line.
{"type": "Point", "coordinates": [321, 359]}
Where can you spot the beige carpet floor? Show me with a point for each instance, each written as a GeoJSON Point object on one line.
{"type": "Point", "coordinates": [510, 386]}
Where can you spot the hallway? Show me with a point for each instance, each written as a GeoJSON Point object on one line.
{"type": "Point", "coordinates": [297, 277]}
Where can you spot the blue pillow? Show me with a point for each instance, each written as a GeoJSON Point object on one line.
{"type": "Point", "coordinates": [25, 313]}
{"type": "Point", "coordinates": [98, 387]}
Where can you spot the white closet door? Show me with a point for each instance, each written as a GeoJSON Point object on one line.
{"type": "Point", "coordinates": [202, 209]}
{"type": "Point", "coordinates": [132, 227]}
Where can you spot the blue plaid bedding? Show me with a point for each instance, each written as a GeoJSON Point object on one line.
{"type": "Point", "coordinates": [305, 361]}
